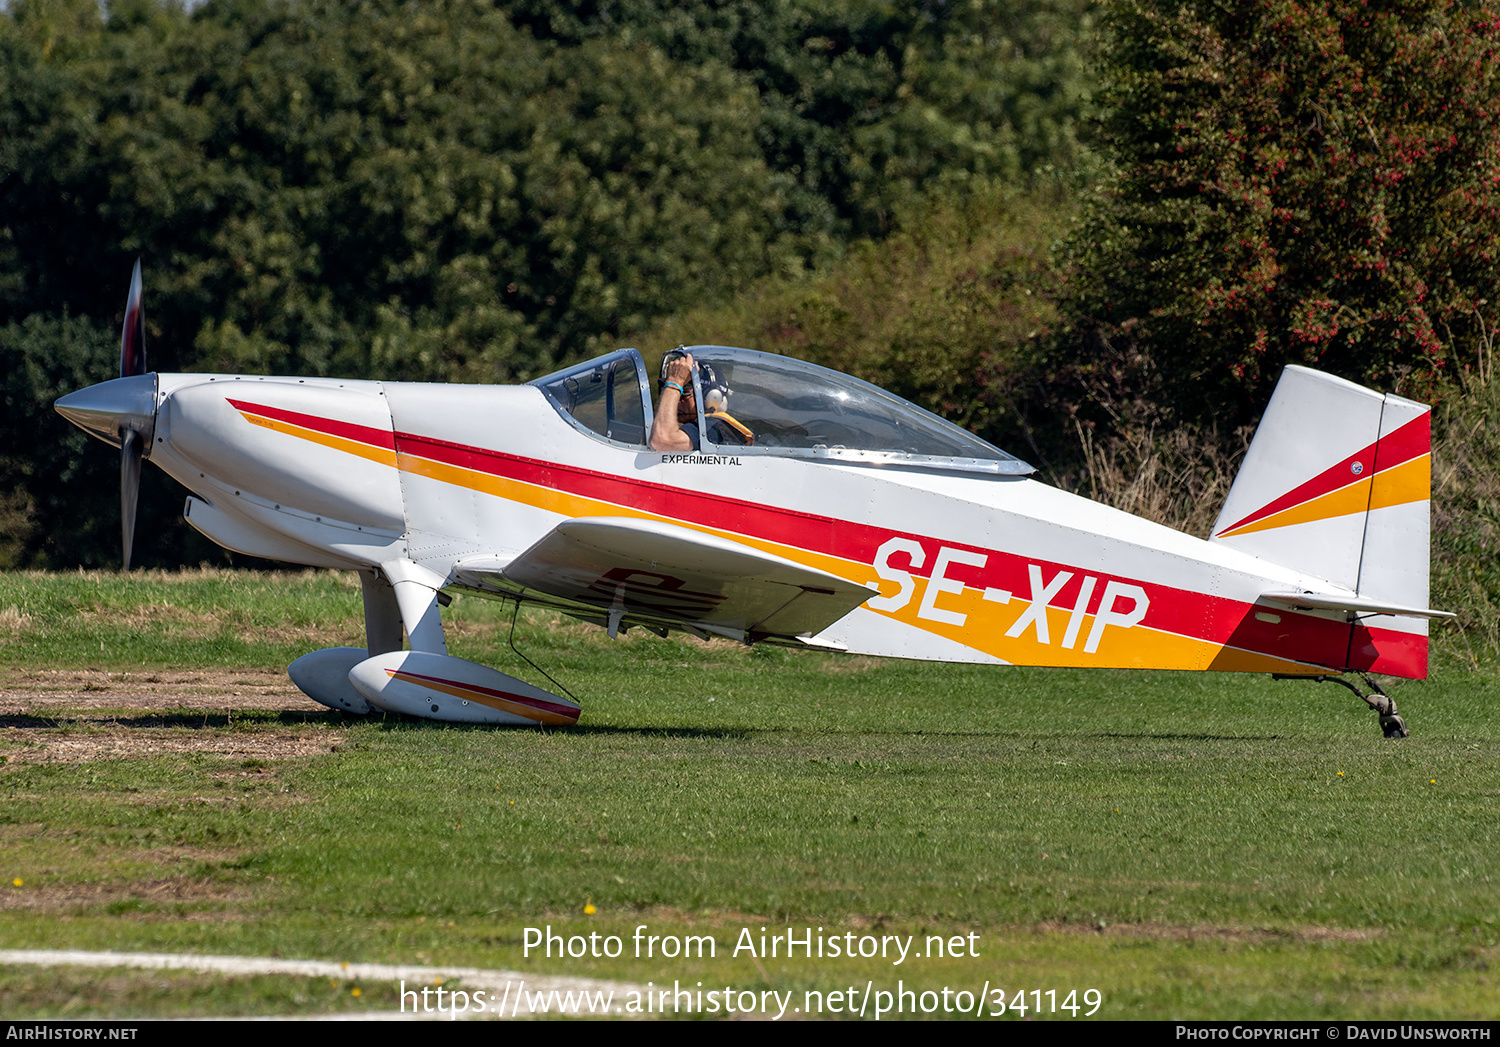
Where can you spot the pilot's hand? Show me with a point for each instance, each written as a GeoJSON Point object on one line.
{"type": "Point", "coordinates": [680, 370]}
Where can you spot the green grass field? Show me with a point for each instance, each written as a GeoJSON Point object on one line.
{"type": "Point", "coordinates": [1205, 846]}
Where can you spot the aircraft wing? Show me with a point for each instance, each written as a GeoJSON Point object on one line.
{"type": "Point", "coordinates": [628, 570]}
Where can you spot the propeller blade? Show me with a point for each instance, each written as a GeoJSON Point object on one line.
{"type": "Point", "coordinates": [131, 446]}
{"type": "Point", "coordinates": [133, 338]}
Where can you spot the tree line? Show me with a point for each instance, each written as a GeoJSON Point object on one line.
{"type": "Point", "coordinates": [459, 190]}
{"type": "Point", "coordinates": [1047, 219]}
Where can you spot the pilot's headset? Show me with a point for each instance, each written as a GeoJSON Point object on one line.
{"type": "Point", "coordinates": [715, 389]}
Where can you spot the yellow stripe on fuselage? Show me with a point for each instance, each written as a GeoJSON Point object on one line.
{"type": "Point", "coordinates": [986, 622]}
{"type": "Point", "coordinates": [562, 503]}
{"type": "Point", "coordinates": [383, 455]}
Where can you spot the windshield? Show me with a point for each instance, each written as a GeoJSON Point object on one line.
{"type": "Point", "coordinates": [792, 406]}
{"type": "Point", "coordinates": [607, 396]}
{"type": "Point", "coordinates": [775, 406]}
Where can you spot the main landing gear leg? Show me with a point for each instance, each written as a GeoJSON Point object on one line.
{"type": "Point", "coordinates": [1391, 723]}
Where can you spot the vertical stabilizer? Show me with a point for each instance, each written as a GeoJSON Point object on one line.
{"type": "Point", "coordinates": [1337, 485]}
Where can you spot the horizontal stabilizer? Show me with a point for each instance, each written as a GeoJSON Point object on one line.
{"type": "Point", "coordinates": [629, 569]}
{"type": "Point", "coordinates": [1355, 605]}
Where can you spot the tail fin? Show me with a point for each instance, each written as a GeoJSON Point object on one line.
{"type": "Point", "coordinates": [1337, 484]}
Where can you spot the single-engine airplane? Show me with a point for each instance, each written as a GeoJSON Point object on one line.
{"type": "Point", "coordinates": [851, 521]}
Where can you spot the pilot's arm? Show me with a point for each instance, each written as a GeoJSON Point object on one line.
{"type": "Point", "coordinates": [675, 408]}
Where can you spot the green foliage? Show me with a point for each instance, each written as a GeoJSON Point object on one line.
{"type": "Point", "coordinates": [947, 313]}
{"type": "Point", "coordinates": [50, 470]}
{"type": "Point", "coordinates": [1466, 523]}
{"type": "Point", "coordinates": [375, 189]}
{"type": "Point", "coordinates": [868, 105]}
{"type": "Point", "coordinates": [59, 488]}
{"type": "Point", "coordinates": [455, 191]}
{"type": "Point", "coordinates": [1297, 182]}
{"type": "Point", "coordinates": [435, 192]}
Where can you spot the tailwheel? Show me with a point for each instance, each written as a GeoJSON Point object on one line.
{"type": "Point", "coordinates": [1392, 725]}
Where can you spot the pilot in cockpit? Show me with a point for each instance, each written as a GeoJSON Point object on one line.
{"type": "Point", "coordinates": [675, 427]}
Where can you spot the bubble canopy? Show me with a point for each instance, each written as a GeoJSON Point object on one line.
{"type": "Point", "coordinates": [793, 409]}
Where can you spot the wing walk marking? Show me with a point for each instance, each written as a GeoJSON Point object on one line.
{"type": "Point", "coordinates": [576, 491]}
{"type": "Point", "coordinates": [506, 701]}
{"type": "Point", "coordinates": [1397, 448]}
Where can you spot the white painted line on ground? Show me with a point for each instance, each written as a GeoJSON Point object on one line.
{"type": "Point", "coordinates": [505, 984]}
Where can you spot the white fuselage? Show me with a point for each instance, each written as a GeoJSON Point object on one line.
{"type": "Point", "coordinates": [970, 568]}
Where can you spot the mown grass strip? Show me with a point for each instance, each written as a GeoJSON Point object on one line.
{"type": "Point", "coordinates": [1188, 844]}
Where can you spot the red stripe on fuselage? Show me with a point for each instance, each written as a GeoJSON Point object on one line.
{"type": "Point", "coordinates": [1180, 611]}
{"type": "Point", "coordinates": [1387, 651]}
{"type": "Point", "coordinates": [786, 526]}
{"type": "Point", "coordinates": [364, 434]}
{"type": "Point", "coordinates": [1184, 612]}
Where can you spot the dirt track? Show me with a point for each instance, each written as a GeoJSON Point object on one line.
{"type": "Point", "coordinates": [68, 715]}
{"type": "Point", "coordinates": [41, 690]}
